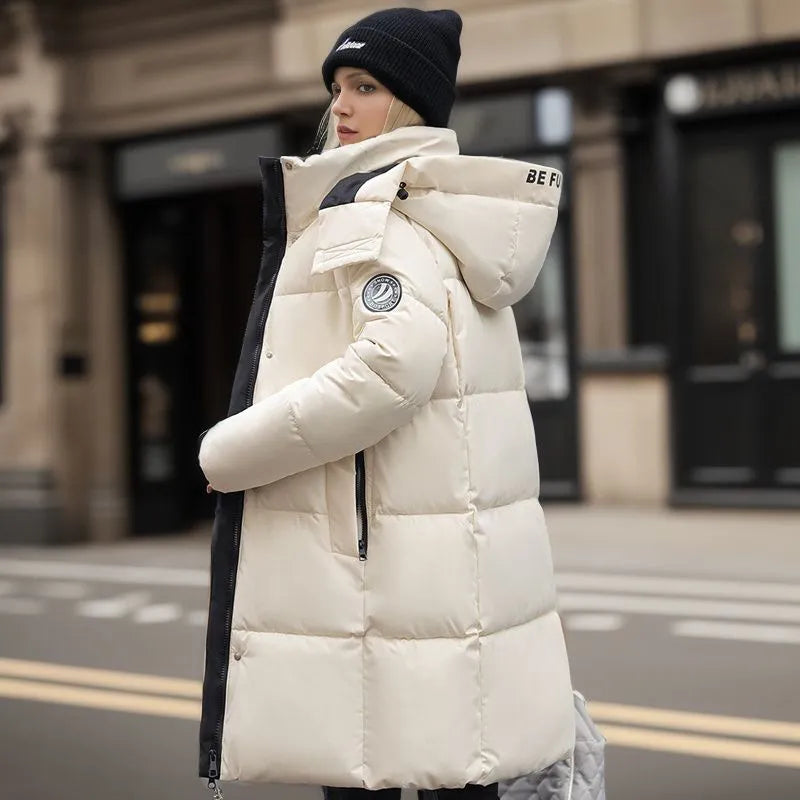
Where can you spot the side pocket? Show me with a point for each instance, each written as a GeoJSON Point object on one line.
{"type": "Point", "coordinates": [340, 481]}
{"type": "Point", "coordinates": [361, 507]}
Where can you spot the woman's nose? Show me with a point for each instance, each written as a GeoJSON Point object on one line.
{"type": "Point", "coordinates": [341, 108]}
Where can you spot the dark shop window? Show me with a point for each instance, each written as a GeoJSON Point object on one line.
{"type": "Point", "coordinates": [647, 279]}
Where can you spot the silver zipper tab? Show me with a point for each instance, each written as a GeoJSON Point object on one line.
{"type": "Point", "coordinates": [213, 774]}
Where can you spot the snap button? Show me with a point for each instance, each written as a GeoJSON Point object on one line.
{"type": "Point", "coordinates": [237, 656]}
{"type": "Point", "coordinates": [268, 354]}
{"type": "Point", "coordinates": [289, 165]}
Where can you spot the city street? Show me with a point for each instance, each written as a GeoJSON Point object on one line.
{"type": "Point", "coordinates": [683, 629]}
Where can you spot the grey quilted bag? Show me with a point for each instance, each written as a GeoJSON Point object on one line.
{"type": "Point", "coordinates": [579, 776]}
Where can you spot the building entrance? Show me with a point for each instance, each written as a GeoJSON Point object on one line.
{"type": "Point", "coordinates": [192, 264]}
{"type": "Point", "coordinates": [738, 376]}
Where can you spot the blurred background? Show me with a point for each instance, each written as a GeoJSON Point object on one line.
{"type": "Point", "coordinates": [661, 346]}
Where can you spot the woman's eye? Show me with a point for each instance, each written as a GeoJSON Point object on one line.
{"type": "Point", "coordinates": [335, 89]}
{"type": "Point", "coordinates": [365, 88]}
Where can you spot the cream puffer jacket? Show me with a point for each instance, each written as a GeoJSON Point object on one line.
{"type": "Point", "coordinates": [382, 607]}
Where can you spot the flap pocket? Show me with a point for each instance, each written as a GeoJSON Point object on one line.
{"type": "Point", "coordinates": [350, 234]}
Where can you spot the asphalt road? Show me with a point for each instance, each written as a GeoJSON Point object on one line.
{"type": "Point", "coordinates": [683, 632]}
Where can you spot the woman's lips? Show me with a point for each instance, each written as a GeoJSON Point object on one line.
{"type": "Point", "coordinates": [343, 130]}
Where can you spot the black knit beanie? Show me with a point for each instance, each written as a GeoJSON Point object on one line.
{"type": "Point", "coordinates": [413, 53]}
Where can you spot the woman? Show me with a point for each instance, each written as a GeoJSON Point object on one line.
{"type": "Point", "coordinates": [382, 607]}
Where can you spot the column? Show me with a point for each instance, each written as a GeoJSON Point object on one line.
{"type": "Point", "coordinates": [599, 227]}
{"type": "Point", "coordinates": [624, 409]}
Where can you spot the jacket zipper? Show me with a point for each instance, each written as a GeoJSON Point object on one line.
{"type": "Point", "coordinates": [361, 507]}
{"type": "Point", "coordinates": [213, 774]}
{"type": "Point", "coordinates": [237, 528]}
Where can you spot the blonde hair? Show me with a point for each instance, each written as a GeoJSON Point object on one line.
{"type": "Point", "coordinates": [399, 115]}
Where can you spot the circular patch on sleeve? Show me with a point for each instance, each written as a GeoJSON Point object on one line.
{"type": "Point", "coordinates": [382, 293]}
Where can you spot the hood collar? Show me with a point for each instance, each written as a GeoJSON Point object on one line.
{"type": "Point", "coordinates": [308, 180]}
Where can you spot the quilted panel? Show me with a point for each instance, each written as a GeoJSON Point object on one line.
{"type": "Point", "coordinates": [421, 579]}
{"type": "Point", "coordinates": [422, 711]}
{"type": "Point", "coordinates": [515, 566]}
{"type": "Point", "coordinates": [524, 675]}
{"type": "Point", "coordinates": [422, 467]}
{"type": "Point", "coordinates": [286, 689]}
{"type": "Point", "coordinates": [285, 567]}
{"type": "Point", "coordinates": [502, 448]}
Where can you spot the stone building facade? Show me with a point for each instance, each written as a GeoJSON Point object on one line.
{"type": "Point", "coordinates": [85, 85]}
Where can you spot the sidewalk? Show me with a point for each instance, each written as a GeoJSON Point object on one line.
{"type": "Point", "coordinates": [752, 545]}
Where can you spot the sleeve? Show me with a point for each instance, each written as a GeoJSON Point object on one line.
{"type": "Point", "coordinates": [388, 372]}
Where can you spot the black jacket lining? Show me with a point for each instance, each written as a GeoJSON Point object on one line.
{"type": "Point", "coordinates": [228, 517]}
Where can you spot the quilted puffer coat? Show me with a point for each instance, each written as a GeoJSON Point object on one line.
{"type": "Point", "coordinates": [382, 607]}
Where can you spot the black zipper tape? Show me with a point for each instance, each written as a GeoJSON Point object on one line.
{"type": "Point", "coordinates": [228, 518]}
{"type": "Point", "coordinates": [361, 506]}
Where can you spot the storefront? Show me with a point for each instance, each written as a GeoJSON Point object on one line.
{"type": "Point", "coordinates": [723, 292]}
{"type": "Point", "coordinates": [660, 342]}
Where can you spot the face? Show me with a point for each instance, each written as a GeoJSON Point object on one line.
{"type": "Point", "coordinates": [360, 106]}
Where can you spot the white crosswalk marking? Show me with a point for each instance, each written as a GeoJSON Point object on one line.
{"type": "Point", "coordinates": [20, 605]}
{"type": "Point", "coordinates": [111, 607]}
{"type": "Point", "coordinates": [199, 617]}
{"type": "Point", "coordinates": [737, 631]}
{"type": "Point", "coordinates": [161, 612]}
{"type": "Point", "coordinates": [682, 587]}
{"type": "Point", "coordinates": [593, 622]}
{"type": "Point", "coordinates": [677, 606]}
{"type": "Point", "coordinates": [63, 590]}
{"type": "Point", "coordinates": [103, 573]}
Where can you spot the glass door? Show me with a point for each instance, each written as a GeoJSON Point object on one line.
{"type": "Point", "coordinates": [159, 240]}
{"type": "Point", "coordinates": [783, 399]}
{"type": "Point", "coordinates": [739, 322]}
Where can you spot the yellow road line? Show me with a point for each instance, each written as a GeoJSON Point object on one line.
{"type": "Point", "coordinates": [109, 679]}
{"type": "Point", "coordinates": [703, 746]}
{"type": "Point", "coordinates": [639, 738]}
{"type": "Point", "coordinates": [25, 680]}
{"type": "Point", "coordinates": [694, 721]}
{"type": "Point", "coordinates": [99, 698]}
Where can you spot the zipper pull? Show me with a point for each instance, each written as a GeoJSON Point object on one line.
{"type": "Point", "coordinates": [213, 774]}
